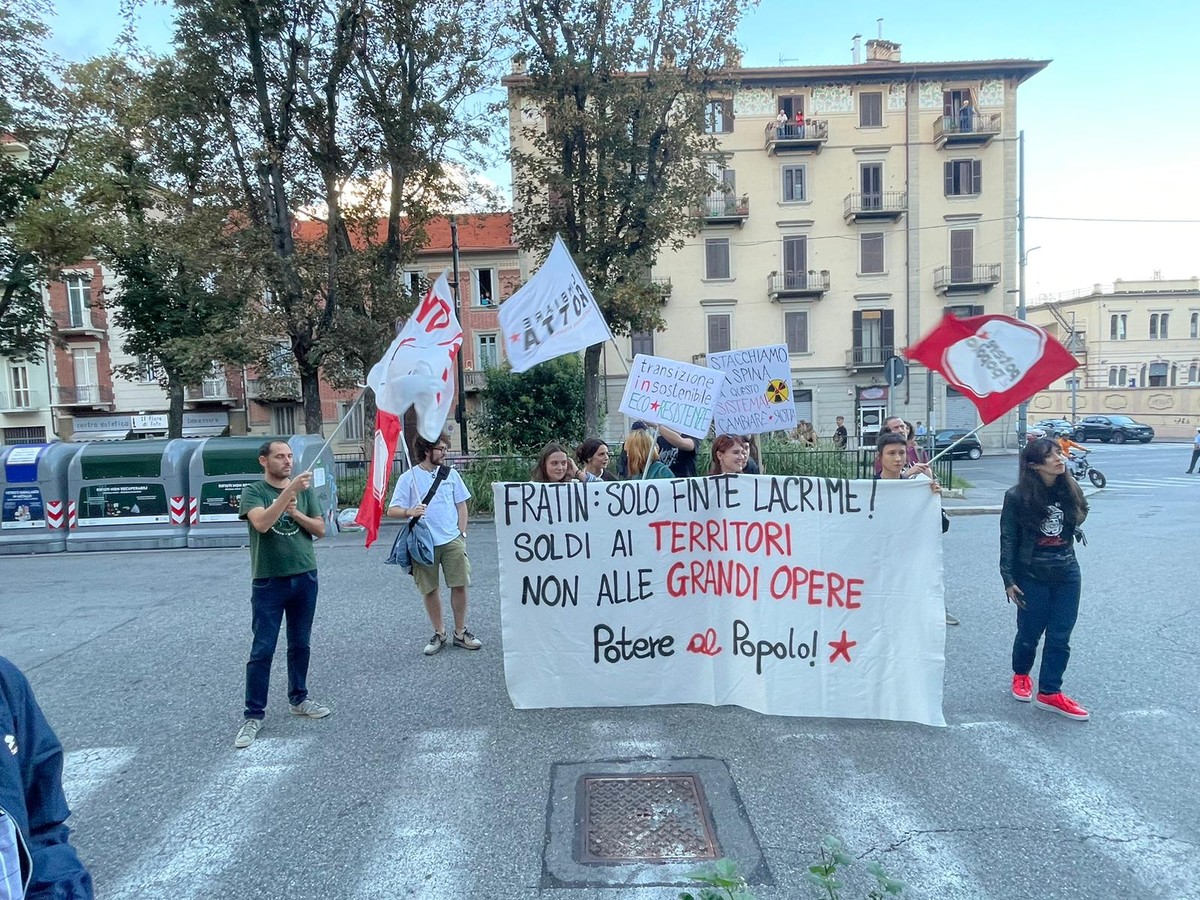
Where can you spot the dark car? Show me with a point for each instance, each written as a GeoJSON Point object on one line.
{"type": "Point", "coordinates": [968, 447]}
{"type": "Point", "coordinates": [1053, 426]}
{"type": "Point", "coordinates": [1117, 429]}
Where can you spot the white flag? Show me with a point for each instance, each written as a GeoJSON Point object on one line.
{"type": "Point", "coordinates": [418, 368]}
{"type": "Point", "coordinates": [553, 314]}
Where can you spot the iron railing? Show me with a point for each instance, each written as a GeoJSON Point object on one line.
{"type": "Point", "coordinates": [798, 283]}
{"type": "Point", "coordinates": [985, 125]}
{"type": "Point", "coordinates": [876, 203]}
{"type": "Point", "coordinates": [724, 206]}
{"type": "Point", "coordinates": [868, 357]}
{"type": "Point", "coordinates": [84, 395]}
{"type": "Point", "coordinates": [952, 276]}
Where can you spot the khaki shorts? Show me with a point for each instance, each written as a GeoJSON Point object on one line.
{"type": "Point", "coordinates": [452, 557]}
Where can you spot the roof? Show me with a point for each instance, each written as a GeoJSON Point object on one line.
{"type": "Point", "coordinates": [476, 232]}
{"type": "Point", "coordinates": [872, 70]}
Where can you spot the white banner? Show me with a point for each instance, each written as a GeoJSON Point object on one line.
{"type": "Point", "coordinates": [554, 313]}
{"type": "Point", "coordinates": [665, 392]}
{"type": "Point", "coordinates": [757, 394]}
{"type": "Point", "coordinates": [786, 595]}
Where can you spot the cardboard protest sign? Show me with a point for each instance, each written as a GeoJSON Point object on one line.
{"type": "Point", "coordinates": [665, 392]}
{"type": "Point", "coordinates": [757, 394]}
{"type": "Point", "coordinates": [787, 595]}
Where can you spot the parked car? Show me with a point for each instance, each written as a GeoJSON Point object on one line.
{"type": "Point", "coordinates": [1117, 429]}
{"type": "Point", "coordinates": [969, 447]}
{"type": "Point", "coordinates": [1053, 426]}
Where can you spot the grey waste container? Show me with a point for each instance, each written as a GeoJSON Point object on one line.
{"type": "Point", "coordinates": [33, 497]}
{"type": "Point", "coordinates": [130, 495]}
{"type": "Point", "coordinates": [221, 467]}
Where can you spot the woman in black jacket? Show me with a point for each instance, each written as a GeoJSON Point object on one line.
{"type": "Point", "coordinates": [1039, 525]}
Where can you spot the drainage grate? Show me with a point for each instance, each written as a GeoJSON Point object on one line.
{"type": "Point", "coordinates": [645, 818]}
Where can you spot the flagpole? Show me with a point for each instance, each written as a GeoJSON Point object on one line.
{"type": "Point", "coordinates": [357, 400]}
{"type": "Point", "coordinates": [650, 454]}
{"type": "Point", "coordinates": [954, 444]}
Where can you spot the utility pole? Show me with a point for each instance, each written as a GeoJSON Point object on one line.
{"type": "Point", "coordinates": [460, 410]}
{"type": "Point", "coordinates": [1074, 375]}
{"type": "Point", "coordinates": [1023, 408]}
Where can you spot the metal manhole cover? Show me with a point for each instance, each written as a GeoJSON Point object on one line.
{"type": "Point", "coordinates": [645, 818]}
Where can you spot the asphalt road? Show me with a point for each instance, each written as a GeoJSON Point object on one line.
{"type": "Point", "coordinates": [427, 783]}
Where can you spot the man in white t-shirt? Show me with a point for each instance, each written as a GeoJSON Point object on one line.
{"type": "Point", "coordinates": [446, 516]}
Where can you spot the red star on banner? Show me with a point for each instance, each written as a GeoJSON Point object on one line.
{"type": "Point", "coordinates": [514, 338]}
{"type": "Point", "coordinates": [654, 406]}
{"type": "Point", "coordinates": [842, 647]}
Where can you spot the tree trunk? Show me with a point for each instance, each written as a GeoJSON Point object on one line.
{"type": "Point", "coordinates": [310, 391]}
{"type": "Point", "coordinates": [591, 390]}
{"type": "Point", "coordinates": [175, 412]}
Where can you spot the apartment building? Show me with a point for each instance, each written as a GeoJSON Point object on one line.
{"type": "Point", "coordinates": [1138, 345]}
{"type": "Point", "coordinates": [857, 204]}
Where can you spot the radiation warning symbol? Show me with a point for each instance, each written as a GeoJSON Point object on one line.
{"type": "Point", "coordinates": [777, 391]}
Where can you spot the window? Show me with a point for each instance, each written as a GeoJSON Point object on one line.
{"type": "Point", "coordinates": [642, 342]}
{"type": "Point", "coordinates": [1158, 326]}
{"type": "Point", "coordinates": [718, 116]}
{"type": "Point", "coordinates": [795, 331]}
{"type": "Point", "coordinates": [1153, 326]}
{"type": "Point", "coordinates": [414, 284]}
{"type": "Point", "coordinates": [353, 429]}
{"type": "Point", "coordinates": [716, 258]}
{"type": "Point", "coordinates": [791, 105]}
{"type": "Point", "coordinates": [148, 370]}
{"type": "Point", "coordinates": [795, 262]}
{"type": "Point", "coordinates": [484, 284]}
{"type": "Point", "coordinates": [870, 177]}
{"type": "Point", "coordinates": [283, 419]}
{"type": "Point", "coordinates": [77, 302]}
{"type": "Point", "coordinates": [213, 386]}
{"type": "Point", "coordinates": [1116, 327]}
{"type": "Point", "coordinates": [962, 255]}
{"type": "Point", "coordinates": [18, 377]}
{"type": "Point", "coordinates": [958, 111]}
{"type": "Point", "coordinates": [870, 253]}
{"type": "Point", "coordinates": [719, 327]}
{"type": "Point", "coordinates": [1193, 373]}
{"type": "Point", "coordinates": [964, 177]}
{"type": "Point", "coordinates": [28, 435]}
{"type": "Point", "coordinates": [87, 380]}
{"type": "Point", "coordinates": [794, 184]}
{"type": "Point", "coordinates": [487, 352]}
{"type": "Point", "coordinates": [872, 336]}
{"type": "Point", "coordinates": [282, 362]}
{"type": "Point", "coordinates": [1195, 328]}
{"type": "Point", "coordinates": [1158, 375]}
{"type": "Point", "coordinates": [870, 109]}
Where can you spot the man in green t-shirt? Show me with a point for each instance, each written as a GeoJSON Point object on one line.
{"type": "Point", "coordinates": [284, 518]}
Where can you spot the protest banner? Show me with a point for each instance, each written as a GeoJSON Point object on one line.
{"type": "Point", "coordinates": [786, 595]}
{"type": "Point", "coordinates": [665, 392]}
{"type": "Point", "coordinates": [756, 396]}
{"type": "Point", "coordinates": [552, 314]}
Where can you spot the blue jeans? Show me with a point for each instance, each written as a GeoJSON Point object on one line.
{"type": "Point", "coordinates": [1050, 609]}
{"type": "Point", "coordinates": [270, 599]}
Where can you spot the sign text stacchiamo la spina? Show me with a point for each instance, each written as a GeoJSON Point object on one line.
{"type": "Point", "coordinates": [787, 595]}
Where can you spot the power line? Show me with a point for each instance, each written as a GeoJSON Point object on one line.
{"type": "Point", "coordinates": [1117, 221]}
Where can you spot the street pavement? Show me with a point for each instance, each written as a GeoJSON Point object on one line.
{"type": "Point", "coordinates": [427, 783]}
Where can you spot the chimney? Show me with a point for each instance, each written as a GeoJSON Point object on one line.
{"type": "Point", "coordinates": [857, 49]}
{"type": "Point", "coordinates": [518, 64]}
{"type": "Point", "coordinates": [879, 50]}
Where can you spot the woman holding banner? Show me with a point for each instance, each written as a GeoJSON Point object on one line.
{"type": "Point", "coordinates": [592, 457]}
{"type": "Point", "coordinates": [554, 466]}
{"type": "Point", "coordinates": [639, 448]}
{"type": "Point", "coordinates": [729, 455]}
{"type": "Point", "coordinates": [1039, 525]}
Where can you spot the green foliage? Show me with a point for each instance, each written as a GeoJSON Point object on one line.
{"type": "Point", "coordinates": [526, 410]}
{"type": "Point", "coordinates": [833, 856]}
{"type": "Point", "coordinates": [723, 883]}
{"type": "Point", "coordinates": [481, 473]}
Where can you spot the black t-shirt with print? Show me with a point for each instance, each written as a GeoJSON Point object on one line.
{"type": "Point", "coordinates": [681, 462]}
{"type": "Point", "coordinates": [1053, 548]}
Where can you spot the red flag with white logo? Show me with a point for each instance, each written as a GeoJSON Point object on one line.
{"type": "Point", "coordinates": [996, 361]}
{"type": "Point", "coordinates": [370, 510]}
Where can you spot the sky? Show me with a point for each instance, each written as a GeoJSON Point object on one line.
{"type": "Point", "coordinates": [1111, 126]}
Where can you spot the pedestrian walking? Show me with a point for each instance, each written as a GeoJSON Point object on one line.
{"type": "Point", "coordinates": [436, 492]}
{"type": "Point", "coordinates": [1195, 452]}
{"type": "Point", "coordinates": [37, 861]}
{"type": "Point", "coordinates": [1039, 525]}
{"type": "Point", "coordinates": [284, 518]}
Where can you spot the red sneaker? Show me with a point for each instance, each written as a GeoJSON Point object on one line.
{"type": "Point", "coordinates": [1063, 705]}
{"type": "Point", "coordinates": [1022, 688]}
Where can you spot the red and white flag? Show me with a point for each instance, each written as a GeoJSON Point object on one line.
{"type": "Point", "coordinates": [418, 371]}
{"type": "Point", "coordinates": [996, 361]}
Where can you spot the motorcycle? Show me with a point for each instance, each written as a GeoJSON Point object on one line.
{"type": "Point", "coordinates": [1081, 468]}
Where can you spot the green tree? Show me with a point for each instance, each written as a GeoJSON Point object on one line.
{"type": "Point", "coordinates": [523, 411]}
{"type": "Point", "coordinates": [618, 157]}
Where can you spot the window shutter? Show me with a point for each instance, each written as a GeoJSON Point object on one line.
{"type": "Point", "coordinates": [718, 333]}
{"type": "Point", "coordinates": [947, 104]}
{"type": "Point", "coordinates": [871, 256]}
{"type": "Point", "coordinates": [728, 115]}
{"type": "Point", "coordinates": [856, 331]}
{"type": "Point", "coordinates": [976, 176]}
{"type": "Point", "coordinates": [977, 310]}
{"type": "Point", "coordinates": [948, 170]}
{"type": "Point", "coordinates": [796, 331]}
{"type": "Point", "coordinates": [887, 331]}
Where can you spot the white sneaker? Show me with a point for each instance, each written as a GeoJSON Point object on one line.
{"type": "Point", "coordinates": [436, 643]}
{"type": "Point", "coordinates": [310, 709]}
{"type": "Point", "coordinates": [247, 733]}
{"type": "Point", "coordinates": [466, 640]}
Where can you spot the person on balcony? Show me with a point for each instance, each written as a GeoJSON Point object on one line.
{"type": "Point", "coordinates": [966, 117]}
{"type": "Point", "coordinates": [781, 121]}
{"type": "Point", "coordinates": [799, 123]}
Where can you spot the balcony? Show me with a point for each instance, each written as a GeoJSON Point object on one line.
{"type": "Point", "coordinates": [474, 381]}
{"type": "Point", "coordinates": [662, 286]}
{"type": "Point", "coordinates": [878, 206]}
{"type": "Point", "coordinates": [269, 389]}
{"type": "Point", "coordinates": [85, 395]}
{"type": "Point", "coordinates": [797, 285]}
{"type": "Point", "coordinates": [868, 357]}
{"type": "Point", "coordinates": [806, 138]}
{"type": "Point", "coordinates": [965, 279]}
{"type": "Point", "coordinates": [973, 130]}
{"type": "Point", "coordinates": [210, 390]}
{"type": "Point", "coordinates": [724, 209]}
{"type": "Point", "coordinates": [21, 401]}
{"type": "Point", "coordinates": [81, 330]}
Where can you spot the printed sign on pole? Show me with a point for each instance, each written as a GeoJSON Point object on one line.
{"type": "Point", "coordinates": [785, 595]}
{"type": "Point", "coordinates": [757, 394]}
{"type": "Point", "coordinates": [665, 392]}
